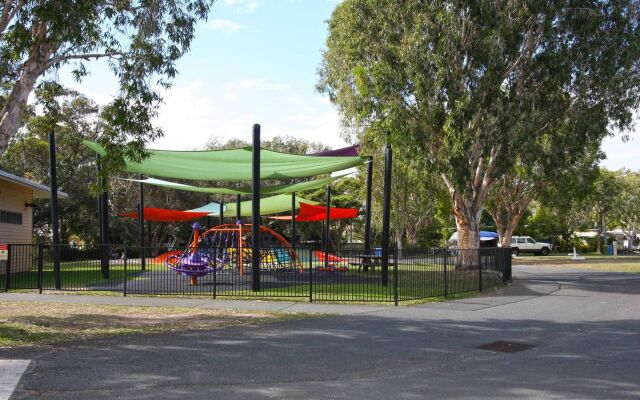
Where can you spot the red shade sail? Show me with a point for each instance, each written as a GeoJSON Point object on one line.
{"type": "Point", "coordinates": [310, 213]}
{"type": "Point", "coordinates": [164, 215]}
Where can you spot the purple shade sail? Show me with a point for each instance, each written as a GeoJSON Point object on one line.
{"type": "Point", "coordinates": [351, 151]}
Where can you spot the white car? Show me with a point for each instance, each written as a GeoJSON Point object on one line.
{"type": "Point", "coordinates": [526, 244]}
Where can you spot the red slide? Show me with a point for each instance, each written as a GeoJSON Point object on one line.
{"type": "Point", "coordinates": [330, 257]}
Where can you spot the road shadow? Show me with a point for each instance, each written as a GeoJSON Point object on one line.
{"type": "Point", "coordinates": [347, 357]}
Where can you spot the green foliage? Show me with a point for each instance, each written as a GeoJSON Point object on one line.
{"type": "Point", "coordinates": [466, 87]}
{"type": "Point", "coordinates": [141, 40]}
{"type": "Point", "coordinates": [28, 156]}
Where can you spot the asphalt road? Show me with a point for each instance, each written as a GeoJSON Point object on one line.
{"type": "Point", "coordinates": [584, 328]}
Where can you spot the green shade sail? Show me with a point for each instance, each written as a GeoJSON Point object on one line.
{"type": "Point", "coordinates": [233, 165]}
{"type": "Point", "coordinates": [278, 189]}
{"type": "Point", "coordinates": [268, 206]}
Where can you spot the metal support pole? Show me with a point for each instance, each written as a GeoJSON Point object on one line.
{"type": "Point", "coordinates": [104, 224]}
{"type": "Point", "coordinates": [326, 228]}
{"type": "Point", "coordinates": [215, 275]}
{"type": "Point", "coordinates": [7, 270]}
{"type": "Point", "coordinates": [208, 217]}
{"type": "Point", "coordinates": [310, 275]}
{"type": "Point", "coordinates": [55, 230]}
{"type": "Point", "coordinates": [143, 261]}
{"type": "Point", "coordinates": [221, 212]}
{"type": "Point", "coordinates": [124, 259]}
{"type": "Point", "coordinates": [445, 256]}
{"type": "Point", "coordinates": [40, 266]}
{"type": "Point", "coordinates": [395, 276]}
{"type": "Point", "coordinates": [367, 210]}
{"type": "Point", "coordinates": [238, 208]}
{"type": "Point", "coordinates": [386, 214]}
{"type": "Point", "coordinates": [255, 209]}
{"type": "Point", "coordinates": [479, 270]}
{"type": "Point", "coordinates": [293, 219]}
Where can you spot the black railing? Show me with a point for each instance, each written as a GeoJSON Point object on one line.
{"type": "Point", "coordinates": [344, 275]}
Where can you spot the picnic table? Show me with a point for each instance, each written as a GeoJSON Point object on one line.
{"type": "Point", "coordinates": [368, 260]}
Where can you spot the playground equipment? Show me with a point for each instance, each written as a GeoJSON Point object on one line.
{"type": "Point", "coordinates": [231, 243]}
{"type": "Point", "coordinates": [193, 262]}
{"type": "Point", "coordinates": [333, 262]}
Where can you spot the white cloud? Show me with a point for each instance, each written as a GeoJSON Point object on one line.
{"type": "Point", "coordinates": [225, 25]}
{"type": "Point", "coordinates": [232, 90]}
{"type": "Point", "coordinates": [194, 113]}
{"type": "Point", "coordinates": [247, 6]}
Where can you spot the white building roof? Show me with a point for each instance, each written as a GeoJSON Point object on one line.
{"type": "Point", "coordinates": [39, 191]}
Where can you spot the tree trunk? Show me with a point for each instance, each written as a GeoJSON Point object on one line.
{"type": "Point", "coordinates": [15, 103]}
{"type": "Point", "coordinates": [468, 241]}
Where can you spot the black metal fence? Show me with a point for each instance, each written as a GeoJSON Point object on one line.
{"type": "Point", "coordinates": [343, 276]}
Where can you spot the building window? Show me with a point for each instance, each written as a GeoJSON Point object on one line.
{"type": "Point", "coordinates": [9, 217]}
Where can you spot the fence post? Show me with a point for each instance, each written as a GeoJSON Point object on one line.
{"type": "Point", "coordinates": [395, 276]}
{"type": "Point", "coordinates": [215, 272]}
{"type": "Point", "coordinates": [40, 266]}
{"type": "Point", "coordinates": [445, 256]}
{"type": "Point", "coordinates": [480, 270]}
{"type": "Point", "coordinates": [507, 267]}
{"type": "Point", "coordinates": [310, 275]}
{"type": "Point", "coordinates": [124, 258]}
{"type": "Point", "coordinates": [7, 274]}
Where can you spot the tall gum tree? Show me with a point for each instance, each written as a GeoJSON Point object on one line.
{"type": "Point", "coordinates": [141, 39]}
{"type": "Point", "coordinates": [542, 171]}
{"type": "Point", "coordinates": [469, 85]}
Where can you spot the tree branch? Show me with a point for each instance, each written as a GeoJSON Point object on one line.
{"type": "Point", "coordinates": [8, 13]}
{"type": "Point", "coordinates": [86, 57]}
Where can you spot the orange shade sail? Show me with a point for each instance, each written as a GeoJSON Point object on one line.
{"type": "Point", "coordinates": [309, 213]}
{"type": "Point", "coordinates": [165, 215]}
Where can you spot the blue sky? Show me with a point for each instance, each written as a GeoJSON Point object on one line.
{"type": "Point", "coordinates": [255, 61]}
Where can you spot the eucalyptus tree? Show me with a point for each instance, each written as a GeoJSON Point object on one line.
{"type": "Point", "coordinates": [557, 169]}
{"type": "Point", "coordinates": [470, 85]}
{"type": "Point", "coordinates": [142, 40]}
{"type": "Point", "coordinates": [28, 156]}
{"type": "Point", "coordinates": [626, 205]}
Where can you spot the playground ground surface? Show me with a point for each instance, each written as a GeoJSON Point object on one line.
{"type": "Point", "coordinates": [556, 333]}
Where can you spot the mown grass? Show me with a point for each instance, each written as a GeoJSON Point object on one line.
{"type": "Point", "coordinates": [29, 324]}
{"type": "Point", "coordinates": [622, 263]}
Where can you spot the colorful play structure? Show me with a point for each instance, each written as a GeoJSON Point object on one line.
{"type": "Point", "coordinates": [229, 247]}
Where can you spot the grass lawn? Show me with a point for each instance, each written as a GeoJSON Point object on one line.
{"type": "Point", "coordinates": [29, 324]}
{"type": "Point", "coordinates": [622, 263]}
{"type": "Point", "coordinates": [77, 274]}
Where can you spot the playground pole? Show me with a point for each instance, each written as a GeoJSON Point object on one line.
{"type": "Point", "coordinates": [221, 212]}
{"type": "Point", "coordinates": [55, 231]}
{"type": "Point", "coordinates": [367, 210]}
{"type": "Point", "coordinates": [293, 219]}
{"type": "Point", "coordinates": [326, 228]}
{"type": "Point", "coordinates": [386, 214]}
{"type": "Point", "coordinates": [100, 215]}
{"type": "Point", "coordinates": [208, 217]}
{"type": "Point", "coordinates": [238, 212]}
{"type": "Point", "coordinates": [103, 200]}
{"type": "Point", "coordinates": [255, 209]}
{"type": "Point", "coordinates": [141, 225]}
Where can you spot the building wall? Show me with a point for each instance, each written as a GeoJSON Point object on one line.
{"type": "Point", "coordinates": [13, 198]}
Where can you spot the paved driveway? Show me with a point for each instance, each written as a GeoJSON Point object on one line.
{"type": "Point", "coordinates": [584, 326]}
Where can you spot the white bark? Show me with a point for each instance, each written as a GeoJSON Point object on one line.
{"type": "Point", "coordinates": [37, 62]}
